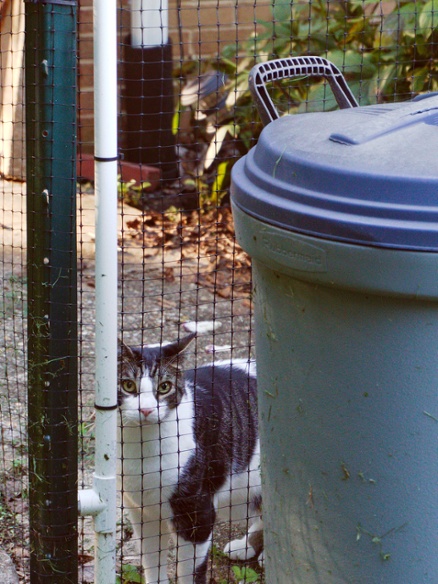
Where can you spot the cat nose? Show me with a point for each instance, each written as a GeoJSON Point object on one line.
{"type": "Point", "coordinates": [146, 412]}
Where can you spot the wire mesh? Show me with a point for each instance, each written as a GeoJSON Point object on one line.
{"type": "Point", "coordinates": [179, 263]}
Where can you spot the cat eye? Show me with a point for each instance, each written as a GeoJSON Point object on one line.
{"type": "Point", "coordinates": [129, 385]}
{"type": "Point", "coordinates": [164, 387]}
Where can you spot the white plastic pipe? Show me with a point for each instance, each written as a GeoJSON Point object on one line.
{"type": "Point", "coordinates": [149, 23]}
{"type": "Point", "coordinates": [100, 501]}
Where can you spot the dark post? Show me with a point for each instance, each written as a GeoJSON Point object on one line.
{"type": "Point", "coordinates": [148, 101]}
{"type": "Point", "coordinates": [51, 272]}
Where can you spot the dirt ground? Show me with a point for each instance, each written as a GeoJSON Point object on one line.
{"type": "Point", "coordinates": [175, 268]}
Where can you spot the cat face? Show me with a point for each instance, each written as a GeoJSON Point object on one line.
{"type": "Point", "coordinates": [151, 384]}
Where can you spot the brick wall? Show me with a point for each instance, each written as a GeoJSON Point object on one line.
{"type": "Point", "coordinates": [198, 28]}
{"type": "Point", "coordinates": [85, 76]}
{"type": "Point", "coordinates": [208, 25]}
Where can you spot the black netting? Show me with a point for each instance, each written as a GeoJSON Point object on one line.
{"type": "Point", "coordinates": [186, 116]}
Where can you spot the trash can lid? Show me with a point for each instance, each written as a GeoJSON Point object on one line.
{"type": "Point", "coordinates": [366, 175]}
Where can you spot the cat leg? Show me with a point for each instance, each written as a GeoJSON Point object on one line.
{"type": "Point", "coordinates": [154, 550]}
{"type": "Point", "coordinates": [154, 538]}
{"type": "Point", "coordinates": [191, 561]}
{"type": "Point", "coordinates": [261, 560]}
{"type": "Point", "coordinates": [248, 547]}
{"type": "Point", "coordinates": [192, 523]}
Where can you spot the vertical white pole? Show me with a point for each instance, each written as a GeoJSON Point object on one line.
{"type": "Point", "coordinates": [103, 506]}
{"type": "Point", "coordinates": [149, 23]}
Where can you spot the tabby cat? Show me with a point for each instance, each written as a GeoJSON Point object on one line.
{"type": "Point", "coordinates": [189, 452]}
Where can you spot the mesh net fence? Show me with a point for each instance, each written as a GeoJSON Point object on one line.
{"type": "Point", "coordinates": [185, 116]}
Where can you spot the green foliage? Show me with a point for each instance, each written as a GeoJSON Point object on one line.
{"type": "Point", "coordinates": [130, 575]}
{"type": "Point", "coordinates": [131, 192]}
{"type": "Point", "coordinates": [245, 575]}
{"type": "Point", "coordinates": [386, 50]}
{"type": "Point", "coordinates": [384, 56]}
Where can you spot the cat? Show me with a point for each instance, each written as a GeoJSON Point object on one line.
{"type": "Point", "coordinates": [188, 451]}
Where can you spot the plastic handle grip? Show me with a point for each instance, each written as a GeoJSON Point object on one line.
{"type": "Point", "coordinates": [277, 69]}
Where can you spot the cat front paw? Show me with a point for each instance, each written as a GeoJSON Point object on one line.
{"type": "Point", "coordinates": [240, 549]}
{"type": "Point", "coordinates": [261, 560]}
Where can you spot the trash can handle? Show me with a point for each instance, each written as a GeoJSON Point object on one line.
{"type": "Point", "coordinates": [294, 67]}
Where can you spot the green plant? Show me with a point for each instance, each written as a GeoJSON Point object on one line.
{"type": "Point", "coordinates": [131, 192]}
{"type": "Point", "coordinates": [245, 575]}
{"type": "Point", "coordinates": [129, 575]}
{"type": "Point", "coordinates": [384, 56]}
{"type": "Point", "coordinates": [387, 52]}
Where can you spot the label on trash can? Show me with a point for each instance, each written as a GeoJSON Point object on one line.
{"type": "Point", "coordinates": [299, 255]}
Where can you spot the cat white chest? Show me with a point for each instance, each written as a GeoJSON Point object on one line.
{"type": "Point", "coordinates": [151, 458]}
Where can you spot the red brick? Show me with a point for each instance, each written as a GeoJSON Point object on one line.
{"type": "Point", "coordinates": [128, 171]}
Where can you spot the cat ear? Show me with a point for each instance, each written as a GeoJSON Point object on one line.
{"type": "Point", "coordinates": [171, 350]}
{"type": "Point", "coordinates": [185, 341]}
{"type": "Point", "coordinates": [124, 351]}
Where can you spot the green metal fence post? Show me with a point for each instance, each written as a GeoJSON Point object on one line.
{"type": "Point", "coordinates": [52, 288]}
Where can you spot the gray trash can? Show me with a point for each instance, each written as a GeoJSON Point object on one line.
{"type": "Point", "coordinates": [339, 213]}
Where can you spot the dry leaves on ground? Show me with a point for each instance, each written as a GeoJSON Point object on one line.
{"type": "Point", "coordinates": [207, 234]}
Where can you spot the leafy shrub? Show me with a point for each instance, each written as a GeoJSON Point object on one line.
{"type": "Point", "coordinates": [386, 50]}
{"type": "Point", "coordinates": [384, 56]}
